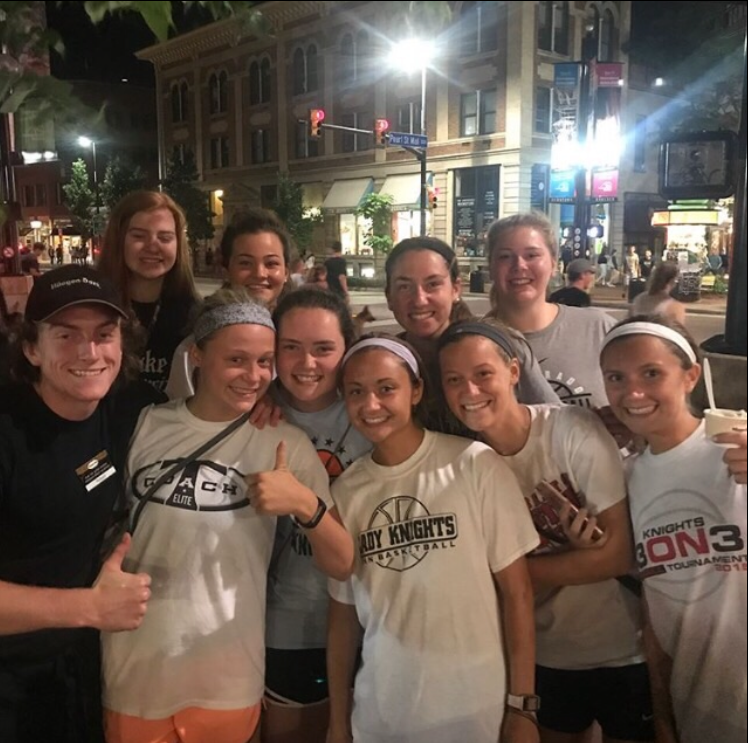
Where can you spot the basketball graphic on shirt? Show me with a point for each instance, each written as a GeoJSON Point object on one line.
{"type": "Point", "coordinates": [569, 391]}
{"type": "Point", "coordinates": [331, 462]}
{"type": "Point", "coordinates": [401, 533]}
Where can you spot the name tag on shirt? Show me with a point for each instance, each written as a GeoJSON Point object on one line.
{"type": "Point", "coordinates": [96, 470]}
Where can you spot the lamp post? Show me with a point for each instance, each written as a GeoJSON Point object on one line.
{"type": "Point", "coordinates": [402, 55]}
{"type": "Point", "coordinates": [581, 200]}
{"type": "Point", "coordinates": [88, 142]}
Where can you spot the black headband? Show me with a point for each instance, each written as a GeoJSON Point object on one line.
{"type": "Point", "coordinates": [459, 330]}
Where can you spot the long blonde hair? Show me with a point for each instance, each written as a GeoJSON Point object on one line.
{"type": "Point", "coordinates": [179, 282]}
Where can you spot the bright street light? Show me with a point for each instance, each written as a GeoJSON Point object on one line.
{"type": "Point", "coordinates": [88, 142]}
{"type": "Point", "coordinates": [405, 56]}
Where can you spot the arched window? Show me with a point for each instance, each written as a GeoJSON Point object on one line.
{"type": "Point", "coordinates": [265, 81]}
{"type": "Point", "coordinates": [179, 103]}
{"type": "Point", "coordinates": [176, 105]}
{"type": "Point", "coordinates": [347, 60]}
{"type": "Point", "coordinates": [362, 54]}
{"type": "Point", "coordinates": [184, 100]}
{"type": "Point", "coordinates": [255, 86]}
{"type": "Point", "coordinates": [299, 72]}
{"type": "Point", "coordinates": [259, 82]}
{"type": "Point", "coordinates": [305, 70]}
{"type": "Point", "coordinates": [218, 91]}
{"type": "Point", "coordinates": [312, 73]}
{"type": "Point", "coordinates": [607, 30]}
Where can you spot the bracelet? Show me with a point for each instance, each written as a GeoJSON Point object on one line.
{"type": "Point", "coordinates": [527, 715]}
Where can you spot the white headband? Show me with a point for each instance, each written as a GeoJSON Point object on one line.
{"type": "Point", "coordinates": [388, 345]}
{"type": "Point", "coordinates": [651, 328]}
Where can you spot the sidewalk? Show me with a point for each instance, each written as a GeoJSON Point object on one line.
{"type": "Point", "coordinates": [708, 304]}
{"type": "Point", "coordinates": [611, 298]}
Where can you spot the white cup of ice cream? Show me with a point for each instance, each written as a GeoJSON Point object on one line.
{"type": "Point", "coordinates": [721, 420]}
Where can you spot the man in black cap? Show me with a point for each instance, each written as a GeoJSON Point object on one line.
{"type": "Point", "coordinates": [64, 432]}
{"type": "Point", "coordinates": [580, 277]}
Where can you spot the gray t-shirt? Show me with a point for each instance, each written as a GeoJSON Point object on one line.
{"type": "Point", "coordinates": [297, 597]}
{"type": "Point", "coordinates": [568, 352]}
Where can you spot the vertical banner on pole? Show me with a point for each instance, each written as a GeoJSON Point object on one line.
{"type": "Point", "coordinates": [605, 145]}
{"type": "Point", "coordinates": [565, 152]}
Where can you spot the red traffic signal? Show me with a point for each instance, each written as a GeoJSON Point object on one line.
{"type": "Point", "coordinates": [316, 117]}
{"type": "Point", "coordinates": [380, 132]}
{"type": "Point", "coordinates": [432, 195]}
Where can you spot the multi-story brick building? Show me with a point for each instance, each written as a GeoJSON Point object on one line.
{"type": "Point", "coordinates": [241, 103]}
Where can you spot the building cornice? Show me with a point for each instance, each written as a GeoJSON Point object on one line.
{"type": "Point", "coordinates": [229, 32]}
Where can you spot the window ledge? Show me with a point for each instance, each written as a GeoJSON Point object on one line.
{"type": "Point", "coordinates": [478, 56]}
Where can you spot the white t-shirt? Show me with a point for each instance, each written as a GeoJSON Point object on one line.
{"type": "Point", "coordinates": [181, 382]}
{"type": "Point", "coordinates": [430, 533]}
{"type": "Point", "coordinates": [297, 600]}
{"type": "Point", "coordinates": [202, 641]}
{"type": "Point", "coordinates": [598, 624]}
{"type": "Point", "coordinates": [689, 520]}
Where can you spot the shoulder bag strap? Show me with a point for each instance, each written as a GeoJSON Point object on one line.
{"type": "Point", "coordinates": [181, 464]}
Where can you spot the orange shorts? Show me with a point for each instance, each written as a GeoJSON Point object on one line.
{"type": "Point", "coordinates": [190, 725]}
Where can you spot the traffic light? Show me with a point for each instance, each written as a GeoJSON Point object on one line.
{"type": "Point", "coordinates": [380, 132]}
{"type": "Point", "coordinates": [432, 195]}
{"type": "Point", "coordinates": [316, 117]}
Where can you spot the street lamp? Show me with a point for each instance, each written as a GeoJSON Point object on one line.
{"type": "Point", "coordinates": [409, 54]}
{"type": "Point", "coordinates": [88, 142]}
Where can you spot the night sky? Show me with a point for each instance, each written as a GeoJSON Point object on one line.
{"type": "Point", "coordinates": [106, 51]}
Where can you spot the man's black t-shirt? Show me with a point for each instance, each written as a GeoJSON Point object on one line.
{"type": "Point", "coordinates": [336, 267]}
{"type": "Point", "coordinates": [29, 263]}
{"type": "Point", "coordinates": [165, 326]}
{"type": "Point", "coordinates": [57, 493]}
{"type": "Point", "coordinates": [571, 296]}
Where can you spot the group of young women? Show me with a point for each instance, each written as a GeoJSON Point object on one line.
{"type": "Point", "coordinates": [469, 577]}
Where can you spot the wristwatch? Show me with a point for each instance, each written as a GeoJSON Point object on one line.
{"type": "Point", "coordinates": [523, 702]}
{"type": "Point", "coordinates": [316, 518]}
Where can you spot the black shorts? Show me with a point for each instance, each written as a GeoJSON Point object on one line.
{"type": "Point", "coordinates": [296, 676]}
{"type": "Point", "coordinates": [619, 699]}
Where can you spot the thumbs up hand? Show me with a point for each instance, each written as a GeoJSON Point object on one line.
{"type": "Point", "coordinates": [278, 493]}
{"type": "Point", "coordinates": [119, 599]}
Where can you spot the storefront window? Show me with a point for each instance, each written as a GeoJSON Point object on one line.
{"type": "Point", "coordinates": [476, 205]}
{"type": "Point", "coordinates": [352, 231]}
{"type": "Point", "coordinates": [408, 224]}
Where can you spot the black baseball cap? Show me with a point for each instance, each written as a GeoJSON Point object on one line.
{"type": "Point", "coordinates": [67, 286]}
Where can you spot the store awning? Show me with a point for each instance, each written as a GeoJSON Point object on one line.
{"type": "Point", "coordinates": [345, 196]}
{"type": "Point", "coordinates": [405, 191]}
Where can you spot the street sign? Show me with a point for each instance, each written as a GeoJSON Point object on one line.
{"type": "Point", "coordinates": [408, 140]}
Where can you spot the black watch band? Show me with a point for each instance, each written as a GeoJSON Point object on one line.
{"type": "Point", "coordinates": [316, 518]}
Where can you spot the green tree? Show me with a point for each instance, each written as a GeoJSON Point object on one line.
{"type": "Point", "coordinates": [121, 177]}
{"type": "Point", "coordinates": [79, 199]}
{"type": "Point", "coordinates": [25, 40]}
{"type": "Point", "coordinates": [289, 206]}
{"type": "Point", "coordinates": [377, 208]}
{"type": "Point", "coordinates": [181, 184]}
